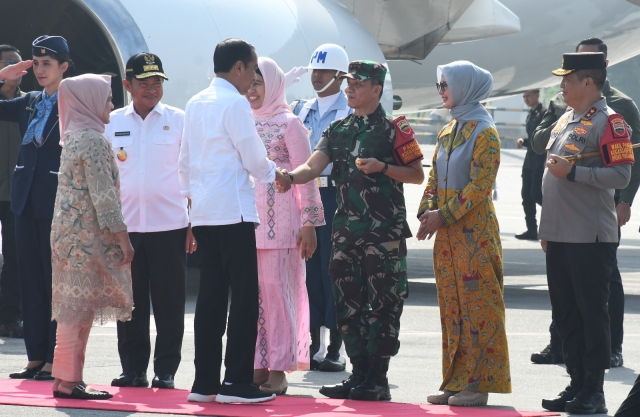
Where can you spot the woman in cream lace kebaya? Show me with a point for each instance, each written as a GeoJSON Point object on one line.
{"type": "Point", "coordinates": [90, 246]}
{"type": "Point", "coordinates": [285, 238]}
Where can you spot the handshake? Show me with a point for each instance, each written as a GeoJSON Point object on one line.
{"type": "Point", "coordinates": [283, 180]}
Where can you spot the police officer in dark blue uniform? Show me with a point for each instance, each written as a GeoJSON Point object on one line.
{"type": "Point", "coordinates": [33, 194]}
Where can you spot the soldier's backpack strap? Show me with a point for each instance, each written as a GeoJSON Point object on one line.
{"type": "Point", "coordinates": [406, 149]}
{"type": "Point", "coordinates": [615, 146]}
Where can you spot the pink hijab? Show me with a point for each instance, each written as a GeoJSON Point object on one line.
{"type": "Point", "coordinates": [275, 101]}
{"type": "Point", "coordinates": [81, 102]}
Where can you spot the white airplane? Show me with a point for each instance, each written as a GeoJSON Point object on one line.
{"type": "Point", "coordinates": [103, 34]}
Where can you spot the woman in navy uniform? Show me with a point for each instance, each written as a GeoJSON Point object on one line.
{"type": "Point", "coordinates": [33, 193]}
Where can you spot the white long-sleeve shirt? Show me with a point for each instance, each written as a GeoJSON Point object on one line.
{"type": "Point", "coordinates": [151, 200]}
{"type": "Point", "coordinates": [221, 152]}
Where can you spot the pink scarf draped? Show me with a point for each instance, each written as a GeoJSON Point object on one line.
{"type": "Point", "coordinates": [275, 100]}
{"type": "Point", "coordinates": [81, 102]}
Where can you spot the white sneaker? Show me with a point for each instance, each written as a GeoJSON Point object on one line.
{"type": "Point", "coordinates": [200, 398]}
{"type": "Point", "coordinates": [469, 399]}
{"type": "Point", "coordinates": [442, 397]}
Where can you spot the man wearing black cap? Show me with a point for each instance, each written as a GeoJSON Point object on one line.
{"type": "Point", "coordinates": [623, 105]}
{"type": "Point", "coordinates": [146, 137]}
{"type": "Point", "coordinates": [578, 227]}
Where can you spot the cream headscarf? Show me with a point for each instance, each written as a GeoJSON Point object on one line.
{"type": "Point", "coordinates": [81, 102]}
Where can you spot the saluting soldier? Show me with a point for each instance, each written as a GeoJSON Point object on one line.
{"type": "Point", "coordinates": [372, 157]}
{"type": "Point", "coordinates": [623, 105]}
{"type": "Point", "coordinates": [579, 229]}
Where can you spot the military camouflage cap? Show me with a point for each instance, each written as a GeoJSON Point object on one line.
{"type": "Point", "coordinates": [366, 70]}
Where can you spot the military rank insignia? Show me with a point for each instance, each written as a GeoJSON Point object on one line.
{"type": "Point", "coordinates": [615, 146]}
{"type": "Point", "coordinates": [590, 113]}
{"type": "Point", "coordinates": [580, 131]}
{"type": "Point", "coordinates": [406, 149]}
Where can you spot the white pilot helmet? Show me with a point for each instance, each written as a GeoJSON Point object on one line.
{"type": "Point", "coordinates": [330, 56]}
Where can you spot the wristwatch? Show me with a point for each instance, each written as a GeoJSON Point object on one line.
{"type": "Point", "coordinates": [291, 177]}
{"type": "Point", "coordinates": [386, 167]}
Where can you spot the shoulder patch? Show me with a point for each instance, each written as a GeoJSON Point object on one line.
{"type": "Point", "coordinates": [590, 113]}
{"type": "Point", "coordinates": [615, 145]}
{"type": "Point", "coordinates": [406, 150]}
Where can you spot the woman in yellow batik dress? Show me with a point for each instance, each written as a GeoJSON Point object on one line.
{"type": "Point", "coordinates": [467, 253]}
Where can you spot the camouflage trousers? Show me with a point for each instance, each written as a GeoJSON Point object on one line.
{"type": "Point", "coordinates": [369, 286]}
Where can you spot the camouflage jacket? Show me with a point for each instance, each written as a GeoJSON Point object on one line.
{"type": "Point", "coordinates": [371, 208]}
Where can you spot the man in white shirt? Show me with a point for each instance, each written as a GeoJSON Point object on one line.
{"type": "Point", "coordinates": [328, 62]}
{"type": "Point", "coordinates": [146, 137]}
{"type": "Point", "coordinates": [220, 154]}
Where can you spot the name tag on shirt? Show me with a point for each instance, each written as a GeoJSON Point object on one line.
{"type": "Point", "coordinates": [123, 133]}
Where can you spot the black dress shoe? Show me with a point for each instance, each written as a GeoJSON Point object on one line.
{"type": "Point", "coordinates": [549, 355]}
{"type": "Point", "coordinates": [27, 373]}
{"type": "Point", "coordinates": [528, 235]}
{"type": "Point", "coordinates": [332, 363]}
{"type": "Point", "coordinates": [616, 359]}
{"type": "Point", "coordinates": [163, 381]}
{"type": "Point", "coordinates": [43, 376]}
{"type": "Point", "coordinates": [80, 392]}
{"type": "Point", "coordinates": [12, 329]}
{"type": "Point", "coordinates": [131, 379]}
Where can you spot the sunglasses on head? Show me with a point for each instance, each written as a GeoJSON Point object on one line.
{"type": "Point", "coordinates": [441, 86]}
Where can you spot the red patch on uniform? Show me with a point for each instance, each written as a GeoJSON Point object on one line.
{"type": "Point", "coordinates": [619, 128]}
{"type": "Point", "coordinates": [406, 150]}
{"type": "Point", "coordinates": [615, 145]}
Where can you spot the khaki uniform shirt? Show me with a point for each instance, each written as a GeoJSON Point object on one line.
{"type": "Point", "coordinates": [10, 139]}
{"type": "Point", "coordinates": [619, 103]}
{"type": "Point", "coordinates": [582, 211]}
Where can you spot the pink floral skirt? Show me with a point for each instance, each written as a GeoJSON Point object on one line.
{"type": "Point", "coordinates": [283, 324]}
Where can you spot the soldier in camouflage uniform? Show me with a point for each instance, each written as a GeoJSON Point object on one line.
{"type": "Point", "coordinates": [368, 265]}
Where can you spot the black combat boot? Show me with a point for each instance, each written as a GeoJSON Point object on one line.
{"type": "Point", "coordinates": [569, 393]}
{"type": "Point", "coordinates": [590, 399]}
{"type": "Point", "coordinates": [332, 362]}
{"type": "Point", "coordinates": [341, 391]}
{"type": "Point", "coordinates": [375, 386]}
{"type": "Point", "coordinates": [314, 347]}
{"type": "Point", "coordinates": [553, 352]}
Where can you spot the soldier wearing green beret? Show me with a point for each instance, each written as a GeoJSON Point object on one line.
{"type": "Point", "coordinates": [368, 262]}
{"type": "Point", "coordinates": [623, 198]}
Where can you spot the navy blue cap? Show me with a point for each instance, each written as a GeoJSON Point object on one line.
{"type": "Point", "coordinates": [46, 45]}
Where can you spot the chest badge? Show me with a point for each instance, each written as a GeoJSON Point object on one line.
{"type": "Point", "coordinates": [165, 127]}
{"type": "Point", "coordinates": [581, 131]}
{"type": "Point", "coordinates": [572, 147]}
{"type": "Point", "coordinates": [122, 155]}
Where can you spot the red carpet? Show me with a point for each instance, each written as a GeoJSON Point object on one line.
{"type": "Point", "coordinates": [144, 400]}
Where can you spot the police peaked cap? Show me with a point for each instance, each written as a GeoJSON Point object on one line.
{"type": "Point", "coordinates": [581, 61]}
{"type": "Point", "coordinates": [47, 45]}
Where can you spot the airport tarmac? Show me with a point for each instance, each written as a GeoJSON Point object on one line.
{"type": "Point", "coordinates": [416, 370]}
